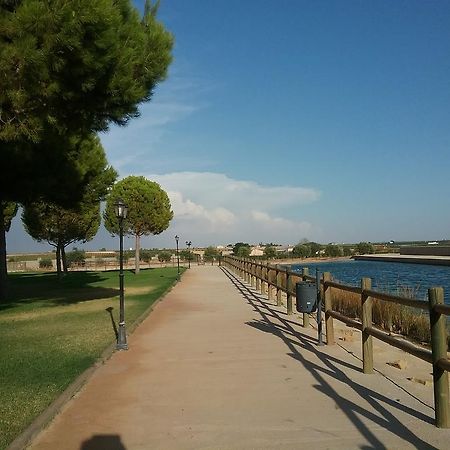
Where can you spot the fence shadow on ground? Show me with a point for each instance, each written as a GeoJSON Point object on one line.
{"type": "Point", "coordinates": [300, 344]}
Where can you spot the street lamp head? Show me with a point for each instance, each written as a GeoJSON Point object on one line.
{"type": "Point", "coordinates": [188, 243]}
{"type": "Point", "coordinates": [176, 238]}
{"type": "Point", "coordinates": [121, 209]}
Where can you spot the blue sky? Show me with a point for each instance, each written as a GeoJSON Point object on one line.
{"type": "Point", "coordinates": [326, 120]}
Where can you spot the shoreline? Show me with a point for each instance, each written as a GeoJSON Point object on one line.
{"type": "Point", "coordinates": [305, 261]}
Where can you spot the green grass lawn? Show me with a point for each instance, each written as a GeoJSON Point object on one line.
{"type": "Point", "coordinates": [52, 331]}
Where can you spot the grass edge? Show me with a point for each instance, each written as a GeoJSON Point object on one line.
{"type": "Point", "coordinates": [25, 438]}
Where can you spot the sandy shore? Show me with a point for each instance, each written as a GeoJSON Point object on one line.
{"type": "Point", "coordinates": [306, 261]}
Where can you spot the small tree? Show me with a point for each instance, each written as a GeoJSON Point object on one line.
{"type": "Point", "coordinates": [364, 248]}
{"type": "Point", "coordinates": [333, 250]}
{"type": "Point", "coordinates": [241, 249]}
{"type": "Point", "coordinates": [147, 255]}
{"type": "Point", "coordinates": [315, 248]}
{"type": "Point", "coordinates": [61, 226]}
{"type": "Point", "coordinates": [149, 210]}
{"type": "Point", "coordinates": [301, 251]}
{"type": "Point", "coordinates": [164, 256]}
{"type": "Point", "coordinates": [75, 257]}
{"type": "Point", "coordinates": [270, 251]}
{"type": "Point", "coordinates": [347, 251]}
{"type": "Point", "coordinates": [211, 254]}
{"type": "Point", "coordinates": [45, 263]}
{"type": "Point", "coordinates": [186, 255]}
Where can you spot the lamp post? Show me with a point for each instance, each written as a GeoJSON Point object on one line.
{"type": "Point", "coordinates": [121, 210]}
{"type": "Point", "coordinates": [189, 243]}
{"type": "Point", "coordinates": [178, 259]}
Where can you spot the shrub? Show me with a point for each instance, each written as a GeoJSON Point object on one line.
{"type": "Point", "coordinates": [364, 248]}
{"type": "Point", "coordinates": [164, 256]}
{"type": "Point", "coordinates": [75, 257]}
{"type": "Point", "coordinates": [45, 263]}
{"type": "Point", "coordinates": [147, 255]}
{"type": "Point", "coordinates": [186, 255]}
{"type": "Point", "coordinates": [301, 251]}
{"type": "Point", "coordinates": [347, 251]}
{"type": "Point", "coordinates": [333, 250]}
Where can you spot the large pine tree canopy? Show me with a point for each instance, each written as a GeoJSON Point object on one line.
{"type": "Point", "coordinates": [69, 68]}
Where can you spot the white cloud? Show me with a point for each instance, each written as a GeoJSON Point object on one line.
{"type": "Point", "coordinates": [214, 208]}
{"type": "Point", "coordinates": [186, 209]}
{"type": "Point", "coordinates": [216, 188]}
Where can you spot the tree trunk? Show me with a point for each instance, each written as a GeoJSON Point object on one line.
{"type": "Point", "coordinates": [136, 257]}
{"type": "Point", "coordinates": [58, 260]}
{"type": "Point", "coordinates": [3, 267]}
{"type": "Point", "coordinates": [64, 259]}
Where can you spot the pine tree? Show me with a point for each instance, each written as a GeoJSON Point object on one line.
{"type": "Point", "coordinates": [149, 210]}
{"type": "Point", "coordinates": [68, 69]}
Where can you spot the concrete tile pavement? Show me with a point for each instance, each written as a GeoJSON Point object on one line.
{"type": "Point", "coordinates": [215, 366]}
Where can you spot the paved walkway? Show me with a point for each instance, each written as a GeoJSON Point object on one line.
{"type": "Point", "coordinates": [215, 366]}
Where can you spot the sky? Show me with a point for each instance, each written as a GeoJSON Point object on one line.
{"type": "Point", "coordinates": [278, 121]}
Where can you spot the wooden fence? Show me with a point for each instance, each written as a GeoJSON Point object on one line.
{"type": "Point", "coordinates": [280, 280]}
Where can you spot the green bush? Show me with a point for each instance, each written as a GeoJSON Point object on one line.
{"type": "Point", "coordinates": [75, 257]}
{"type": "Point", "coordinates": [364, 248]}
{"type": "Point", "coordinates": [347, 251]}
{"type": "Point", "coordinates": [164, 256]}
{"type": "Point", "coordinates": [333, 250]}
{"type": "Point", "coordinates": [45, 263]}
{"type": "Point", "coordinates": [147, 255]}
{"type": "Point", "coordinates": [301, 251]}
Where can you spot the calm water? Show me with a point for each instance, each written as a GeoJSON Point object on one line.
{"type": "Point", "coordinates": [391, 277]}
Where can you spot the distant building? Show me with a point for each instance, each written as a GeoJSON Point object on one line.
{"type": "Point", "coordinates": [257, 251]}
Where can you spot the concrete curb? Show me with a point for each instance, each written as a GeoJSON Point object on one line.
{"type": "Point", "coordinates": [40, 422]}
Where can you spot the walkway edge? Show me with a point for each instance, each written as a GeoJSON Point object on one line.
{"type": "Point", "coordinates": [46, 416]}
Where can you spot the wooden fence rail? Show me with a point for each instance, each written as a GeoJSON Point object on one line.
{"type": "Point", "coordinates": [267, 277]}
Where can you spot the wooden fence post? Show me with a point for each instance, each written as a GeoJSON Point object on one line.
{"type": "Point", "coordinates": [366, 318]}
{"type": "Point", "coordinates": [253, 278]}
{"type": "Point", "coordinates": [263, 276]}
{"type": "Point", "coordinates": [258, 279]}
{"type": "Point", "coordinates": [305, 272]}
{"type": "Point", "coordinates": [279, 291]}
{"type": "Point", "coordinates": [289, 295]}
{"type": "Point", "coordinates": [328, 307]}
{"type": "Point", "coordinates": [438, 324]}
{"type": "Point", "coordinates": [269, 284]}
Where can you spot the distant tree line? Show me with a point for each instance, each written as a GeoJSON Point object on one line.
{"type": "Point", "coordinates": [305, 249]}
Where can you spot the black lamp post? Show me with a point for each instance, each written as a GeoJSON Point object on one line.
{"type": "Point", "coordinates": [178, 258]}
{"type": "Point", "coordinates": [121, 213]}
{"type": "Point", "coordinates": [189, 243]}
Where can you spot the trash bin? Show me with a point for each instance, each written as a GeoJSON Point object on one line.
{"type": "Point", "coordinates": [306, 296]}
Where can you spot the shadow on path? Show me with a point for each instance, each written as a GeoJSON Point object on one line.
{"type": "Point", "coordinates": [103, 442]}
{"type": "Point", "coordinates": [295, 340]}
